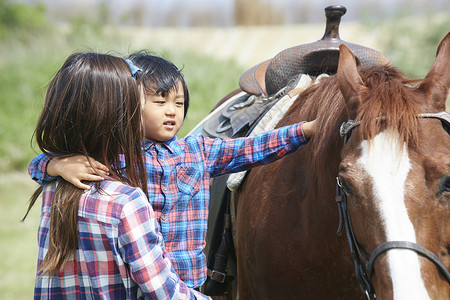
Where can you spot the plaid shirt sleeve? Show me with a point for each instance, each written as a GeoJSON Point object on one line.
{"type": "Point", "coordinates": [37, 169]}
{"type": "Point", "coordinates": [141, 247]}
{"type": "Point", "coordinates": [228, 155]}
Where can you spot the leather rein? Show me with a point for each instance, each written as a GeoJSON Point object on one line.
{"type": "Point", "coordinates": [363, 267]}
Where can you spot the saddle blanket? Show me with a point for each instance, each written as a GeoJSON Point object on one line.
{"type": "Point", "coordinates": [272, 117]}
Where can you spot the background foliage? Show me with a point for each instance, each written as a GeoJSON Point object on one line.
{"type": "Point", "coordinates": [32, 49]}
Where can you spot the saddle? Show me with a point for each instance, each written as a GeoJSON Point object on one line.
{"type": "Point", "coordinates": [322, 56]}
{"type": "Point", "coordinates": [242, 112]}
{"type": "Point", "coordinates": [263, 86]}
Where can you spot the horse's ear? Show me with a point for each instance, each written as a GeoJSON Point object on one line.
{"type": "Point", "coordinates": [437, 82]}
{"type": "Point", "coordinates": [350, 83]}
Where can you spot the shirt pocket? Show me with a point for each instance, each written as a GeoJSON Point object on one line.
{"type": "Point", "coordinates": [188, 180]}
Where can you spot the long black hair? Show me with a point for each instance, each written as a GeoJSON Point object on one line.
{"type": "Point", "coordinates": [92, 107]}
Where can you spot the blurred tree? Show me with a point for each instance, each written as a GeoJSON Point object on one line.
{"type": "Point", "coordinates": [410, 43]}
{"type": "Point", "coordinates": [257, 12]}
{"type": "Point", "coordinates": [104, 13]}
{"type": "Point", "coordinates": [21, 17]}
{"type": "Point", "coordinates": [136, 15]}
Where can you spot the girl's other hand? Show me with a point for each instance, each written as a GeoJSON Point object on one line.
{"type": "Point", "coordinates": [75, 169]}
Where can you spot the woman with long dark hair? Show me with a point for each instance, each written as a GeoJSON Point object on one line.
{"type": "Point", "coordinates": [103, 243]}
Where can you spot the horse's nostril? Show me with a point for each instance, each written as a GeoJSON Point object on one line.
{"type": "Point", "coordinates": [445, 251]}
{"type": "Point", "coordinates": [444, 185]}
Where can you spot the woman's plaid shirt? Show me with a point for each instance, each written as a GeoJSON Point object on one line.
{"type": "Point", "coordinates": [119, 252]}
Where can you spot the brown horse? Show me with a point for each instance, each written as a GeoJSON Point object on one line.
{"type": "Point", "coordinates": [394, 174]}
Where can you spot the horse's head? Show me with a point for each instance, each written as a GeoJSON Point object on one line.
{"type": "Point", "coordinates": [395, 174]}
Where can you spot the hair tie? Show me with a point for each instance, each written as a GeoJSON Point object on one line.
{"type": "Point", "coordinates": [133, 68]}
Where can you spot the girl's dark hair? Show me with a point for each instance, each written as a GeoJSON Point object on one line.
{"type": "Point", "coordinates": [92, 107]}
{"type": "Point", "coordinates": [159, 76]}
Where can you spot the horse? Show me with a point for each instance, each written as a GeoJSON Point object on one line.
{"type": "Point", "coordinates": [378, 168]}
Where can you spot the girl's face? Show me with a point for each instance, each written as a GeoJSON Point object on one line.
{"type": "Point", "coordinates": [163, 116]}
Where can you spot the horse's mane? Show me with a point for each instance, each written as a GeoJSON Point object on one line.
{"type": "Point", "coordinates": [388, 102]}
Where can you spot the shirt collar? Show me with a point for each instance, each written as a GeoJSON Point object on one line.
{"type": "Point", "coordinates": [170, 144]}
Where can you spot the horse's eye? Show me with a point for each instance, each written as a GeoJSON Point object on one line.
{"type": "Point", "coordinates": [444, 186]}
{"type": "Point", "coordinates": [347, 187]}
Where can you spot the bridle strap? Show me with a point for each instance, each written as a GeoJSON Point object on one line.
{"type": "Point", "coordinates": [442, 115]}
{"type": "Point", "coordinates": [360, 263]}
{"type": "Point", "coordinates": [363, 268]}
{"type": "Point", "coordinates": [347, 127]}
{"type": "Point", "coordinates": [409, 246]}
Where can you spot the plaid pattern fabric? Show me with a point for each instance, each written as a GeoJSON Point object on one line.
{"type": "Point", "coordinates": [119, 253]}
{"type": "Point", "coordinates": [179, 172]}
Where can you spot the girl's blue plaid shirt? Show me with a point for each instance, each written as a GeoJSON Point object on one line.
{"type": "Point", "coordinates": [179, 172]}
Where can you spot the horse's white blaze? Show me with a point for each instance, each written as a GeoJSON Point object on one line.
{"type": "Point", "coordinates": [389, 168]}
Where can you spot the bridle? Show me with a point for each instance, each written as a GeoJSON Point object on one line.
{"type": "Point", "coordinates": [363, 267]}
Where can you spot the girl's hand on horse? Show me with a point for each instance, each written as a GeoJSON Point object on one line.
{"type": "Point", "coordinates": [76, 168]}
{"type": "Point", "coordinates": [309, 128]}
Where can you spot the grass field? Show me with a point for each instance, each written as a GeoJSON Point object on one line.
{"type": "Point", "coordinates": [210, 69]}
{"type": "Point", "coordinates": [18, 240]}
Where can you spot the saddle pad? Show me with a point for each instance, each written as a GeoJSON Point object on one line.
{"type": "Point", "coordinates": [199, 128]}
{"type": "Point", "coordinates": [271, 119]}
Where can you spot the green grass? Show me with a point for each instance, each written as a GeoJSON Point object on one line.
{"type": "Point", "coordinates": [410, 43]}
{"type": "Point", "coordinates": [18, 240]}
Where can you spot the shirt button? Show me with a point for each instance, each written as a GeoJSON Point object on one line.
{"type": "Point", "coordinates": [164, 188]}
{"type": "Point", "coordinates": [163, 218]}
{"type": "Point", "coordinates": [162, 159]}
